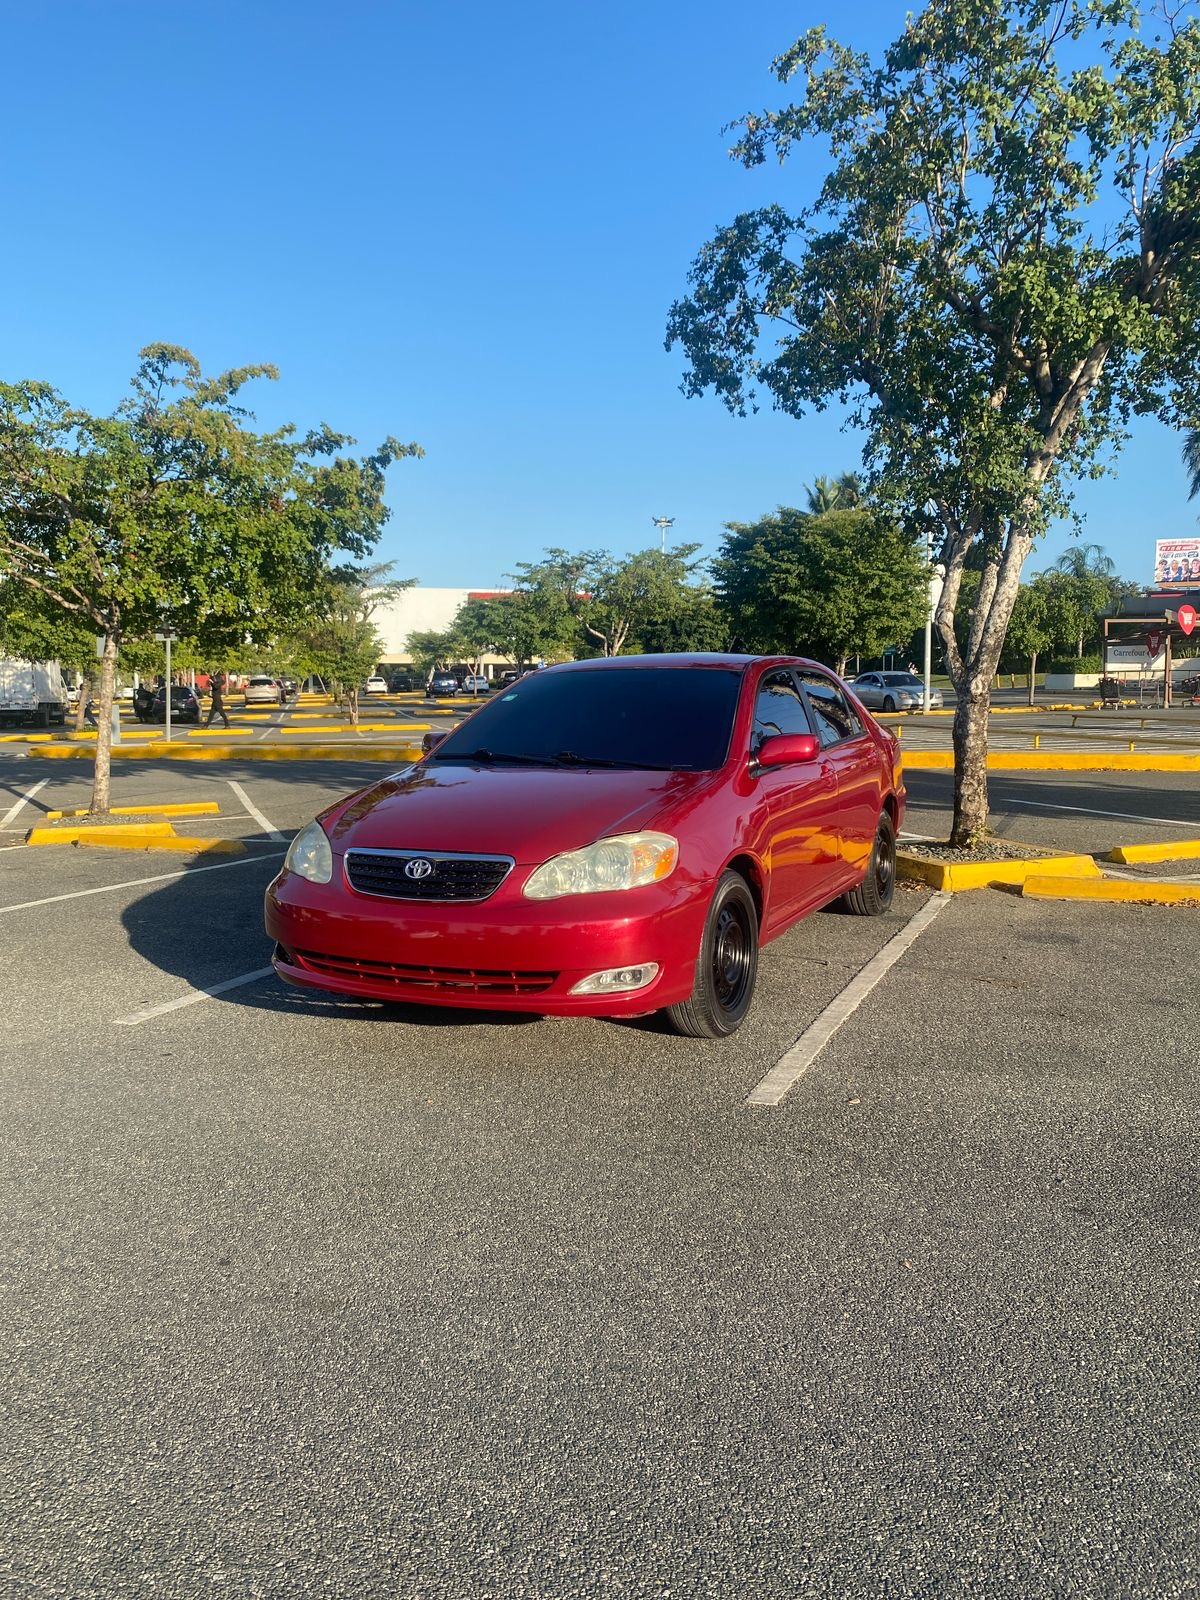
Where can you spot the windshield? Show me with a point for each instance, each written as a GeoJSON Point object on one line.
{"type": "Point", "coordinates": [650, 717]}
{"type": "Point", "coordinates": [901, 680]}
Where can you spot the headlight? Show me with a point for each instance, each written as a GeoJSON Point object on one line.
{"type": "Point", "coordinates": [626, 861]}
{"type": "Point", "coordinates": [309, 854]}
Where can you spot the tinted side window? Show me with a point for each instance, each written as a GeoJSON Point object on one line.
{"type": "Point", "coordinates": [778, 708]}
{"type": "Point", "coordinates": [835, 717]}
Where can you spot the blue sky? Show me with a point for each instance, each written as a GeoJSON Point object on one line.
{"type": "Point", "coordinates": [458, 224]}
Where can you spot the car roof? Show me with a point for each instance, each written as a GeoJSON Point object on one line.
{"type": "Point", "coordinates": [727, 662]}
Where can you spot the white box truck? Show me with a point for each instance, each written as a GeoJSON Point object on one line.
{"type": "Point", "coordinates": [32, 691]}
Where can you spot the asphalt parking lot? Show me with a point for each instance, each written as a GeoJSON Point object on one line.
{"type": "Point", "coordinates": [306, 1296]}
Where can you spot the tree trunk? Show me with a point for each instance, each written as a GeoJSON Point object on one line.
{"type": "Point", "coordinates": [1033, 678]}
{"type": "Point", "coordinates": [85, 694]}
{"type": "Point", "coordinates": [841, 666]}
{"type": "Point", "coordinates": [352, 706]}
{"type": "Point", "coordinates": [101, 789]}
{"type": "Point", "coordinates": [970, 762]}
{"type": "Point", "coordinates": [973, 669]}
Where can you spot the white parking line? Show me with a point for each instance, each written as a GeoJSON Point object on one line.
{"type": "Point", "coordinates": [132, 883]}
{"type": "Point", "coordinates": [796, 1062]}
{"type": "Point", "coordinates": [268, 828]}
{"type": "Point", "coordinates": [193, 998]}
{"type": "Point", "coordinates": [1090, 811]}
{"type": "Point", "coordinates": [28, 795]}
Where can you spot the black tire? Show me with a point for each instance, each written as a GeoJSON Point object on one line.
{"type": "Point", "coordinates": [726, 966]}
{"type": "Point", "coordinates": [889, 704]}
{"type": "Point", "coordinates": [874, 894]}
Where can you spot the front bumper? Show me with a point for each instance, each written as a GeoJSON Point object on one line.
{"type": "Point", "coordinates": [501, 954]}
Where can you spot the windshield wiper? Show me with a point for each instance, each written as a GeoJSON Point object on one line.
{"type": "Point", "coordinates": [483, 754]}
{"type": "Point", "coordinates": [568, 758]}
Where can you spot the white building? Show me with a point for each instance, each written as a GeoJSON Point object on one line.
{"type": "Point", "coordinates": [421, 610]}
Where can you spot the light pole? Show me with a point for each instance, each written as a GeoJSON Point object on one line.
{"type": "Point", "coordinates": [662, 524]}
{"type": "Point", "coordinates": [937, 573]}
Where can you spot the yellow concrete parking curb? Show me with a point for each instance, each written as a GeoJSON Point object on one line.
{"type": "Point", "coordinates": [100, 833]}
{"type": "Point", "coordinates": [954, 876]}
{"type": "Point", "coordinates": [150, 836]}
{"type": "Point", "coordinates": [176, 808]}
{"type": "Point", "coordinates": [1173, 850]}
{"type": "Point", "coordinates": [1149, 892]}
{"type": "Point", "coordinates": [243, 752]}
{"type": "Point", "coordinates": [1055, 761]}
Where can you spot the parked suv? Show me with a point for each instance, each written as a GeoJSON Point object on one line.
{"type": "Point", "coordinates": [263, 691]}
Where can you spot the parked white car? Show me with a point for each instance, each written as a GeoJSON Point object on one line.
{"type": "Point", "coordinates": [375, 686]}
{"type": "Point", "coordinates": [262, 691]}
{"type": "Point", "coordinates": [476, 683]}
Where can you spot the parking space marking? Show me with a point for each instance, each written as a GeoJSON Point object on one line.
{"type": "Point", "coordinates": [795, 1062]}
{"type": "Point", "coordinates": [268, 828]}
{"type": "Point", "coordinates": [132, 883]}
{"type": "Point", "coordinates": [27, 796]}
{"type": "Point", "coordinates": [1090, 811]}
{"type": "Point", "coordinates": [194, 998]}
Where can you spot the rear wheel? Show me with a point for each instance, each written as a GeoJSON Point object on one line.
{"type": "Point", "coordinates": [726, 967]}
{"type": "Point", "coordinates": [874, 894]}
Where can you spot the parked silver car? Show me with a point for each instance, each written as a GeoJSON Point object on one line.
{"type": "Point", "coordinates": [894, 691]}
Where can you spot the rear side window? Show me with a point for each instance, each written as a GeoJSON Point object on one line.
{"type": "Point", "coordinates": [778, 708]}
{"type": "Point", "coordinates": [836, 718]}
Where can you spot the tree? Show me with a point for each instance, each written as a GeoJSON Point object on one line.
{"type": "Point", "coordinates": [173, 509]}
{"type": "Point", "coordinates": [841, 584]}
{"type": "Point", "coordinates": [430, 649]}
{"type": "Point", "coordinates": [1191, 460]}
{"type": "Point", "coordinates": [474, 627]}
{"type": "Point", "coordinates": [835, 494]}
{"type": "Point", "coordinates": [1002, 265]}
{"type": "Point", "coordinates": [341, 642]}
{"type": "Point", "coordinates": [1031, 628]}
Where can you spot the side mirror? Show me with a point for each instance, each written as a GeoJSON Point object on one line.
{"type": "Point", "coordinates": [787, 749]}
{"type": "Point", "coordinates": [431, 741]}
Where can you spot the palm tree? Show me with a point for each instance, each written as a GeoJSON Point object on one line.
{"type": "Point", "coordinates": [1191, 460]}
{"type": "Point", "coordinates": [1085, 561]}
{"type": "Point", "coordinates": [1092, 571]}
{"type": "Point", "coordinates": [828, 494]}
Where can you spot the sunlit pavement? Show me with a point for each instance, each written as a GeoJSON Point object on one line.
{"type": "Point", "coordinates": [307, 1296]}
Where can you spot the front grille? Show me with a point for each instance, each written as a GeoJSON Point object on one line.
{"type": "Point", "coordinates": [447, 980]}
{"type": "Point", "coordinates": [449, 877]}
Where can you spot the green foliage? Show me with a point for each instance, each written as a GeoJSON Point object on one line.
{"type": "Point", "coordinates": [1001, 267]}
{"type": "Point", "coordinates": [598, 603]}
{"type": "Point", "coordinates": [174, 507]}
{"type": "Point", "coordinates": [429, 649]}
{"type": "Point", "coordinates": [832, 586]}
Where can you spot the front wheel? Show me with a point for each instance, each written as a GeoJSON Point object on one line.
{"type": "Point", "coordinates": [874, 894]}
{"type": "Point", "coordinates": [889, 704]}
{"type": "Point", "coordinates": [726, 966]}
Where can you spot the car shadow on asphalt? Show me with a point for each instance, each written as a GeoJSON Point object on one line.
{"type": "Point", "coordinates": [205, 928]}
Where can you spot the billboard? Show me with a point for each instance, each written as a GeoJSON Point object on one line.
{"type": "Point", "coordinates": [1177, 563]}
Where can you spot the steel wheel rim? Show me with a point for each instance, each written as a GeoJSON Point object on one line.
{"type": "Point", "coordinates": [732, 957]}
{"type": "Point", "coordinates": [885, 861]}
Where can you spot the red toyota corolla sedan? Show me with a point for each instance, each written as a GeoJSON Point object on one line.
{"type": "Point", "coordinates": [604, 838]}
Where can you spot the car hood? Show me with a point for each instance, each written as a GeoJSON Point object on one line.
{"type": "Point", "coordinates": [524, 812]}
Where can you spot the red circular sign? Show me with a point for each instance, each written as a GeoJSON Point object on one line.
{"type": "Point", "coordinates": [1186, 616]}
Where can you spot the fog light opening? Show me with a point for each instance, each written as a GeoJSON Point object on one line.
{"type": "Point", "coordinates": [618, 980]}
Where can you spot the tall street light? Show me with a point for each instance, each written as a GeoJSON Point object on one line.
{"type": "Point", "coordinates": [662, 524]}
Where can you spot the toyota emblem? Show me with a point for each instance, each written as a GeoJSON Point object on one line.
{"type": "Point", "coordinates": [418, 867]}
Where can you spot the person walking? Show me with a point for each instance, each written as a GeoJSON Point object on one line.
{"type": "Point", "coordinates": [216, 706]}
